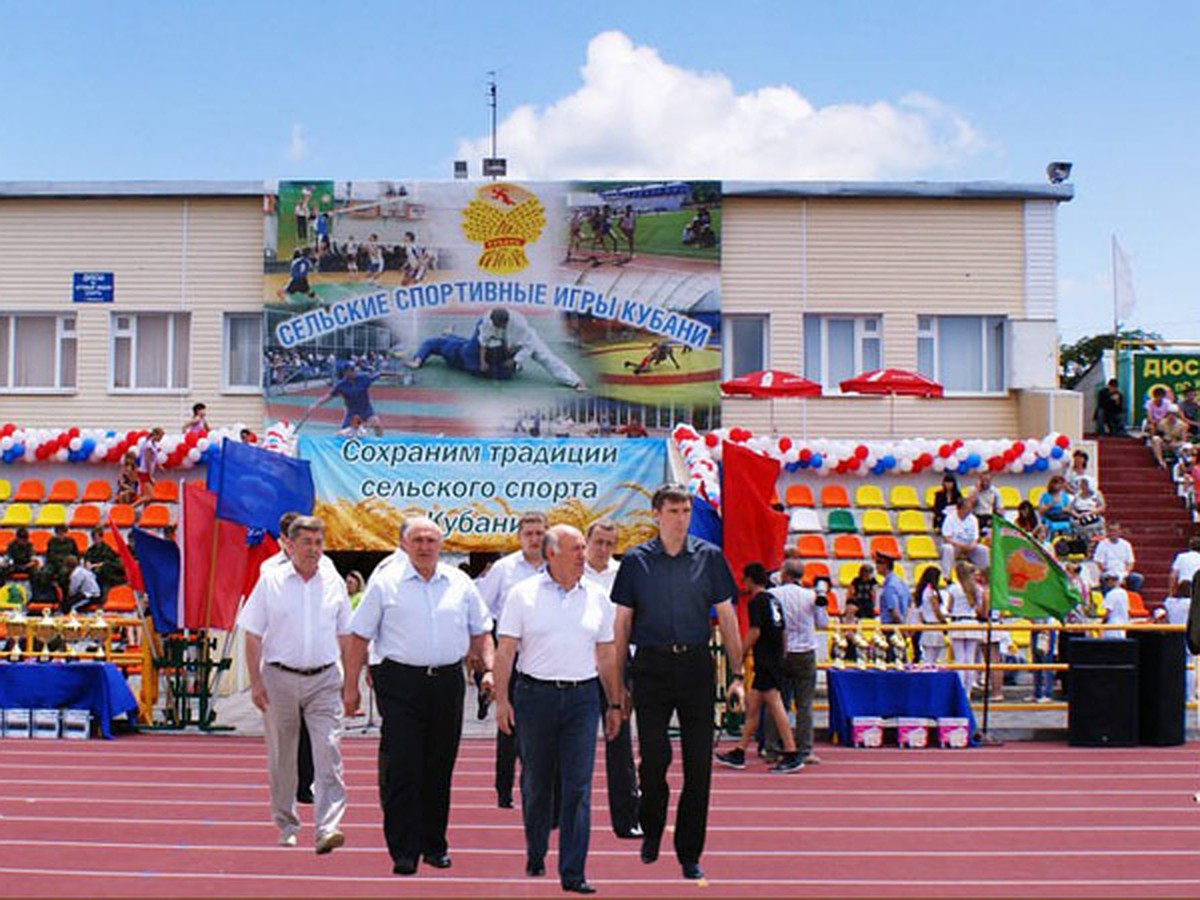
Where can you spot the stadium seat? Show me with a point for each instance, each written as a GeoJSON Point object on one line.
{"type": "Point", "coordinates": [63, 491]}
{"type": "Point", "coordinates": [1137, 606]}
{"type": "Point", "coordinates": [885, 544]}
{"type": "Point", "coordinates": [848, 546]}
{"type": "Point", "coordinates": [31, 490]}
{"type": "Point", "coordinates": [80, 539]}
{"type": "Point", "coordinates": [97, 492]}
{"type": "Point", "coordinates": [813, 571]}
{"type": "Point", "coordinates": [812, 546]}
{"type": "Point", "coordinates": [40, 541]}
{"type": "Point", "coordinates": [1020, 636]}
{"type": "Point", "coordinates": [1010, 497]}
{"type": "Point", "coordinates": [6, 537]}
{"type": "Point", "coordinates": [110, 540]}
{"type": "Point", "coordinates": [798, 495]}
{"type": "Point", "coordinates": [1035, 496]}
{"type": "Point", "coordinates": [51, 514]}
{"type": "Point", "coordinates": [901, 573]}
{"type": "Point", "coordinates": [921, 546]}
{"type": "Point", "coordinates": [834, 495]}
{"type": "Point", "coordinates": [904, 496]}
{"type": "Point", "coordinates": [5, 489]}
{"type": "Point", "coordinates": [85, 515]}
{"type": "Point", "coordinates": [929, 492]}
{"type": "Point", "coordinates": [121, 514]}
{"type": "Point", "coordinates": [775, 504]}
{"type": "Point", "coordinates": [847, 572]}
{"type": "Point", "coordinates": [16, 515]}
{"type": "Point", "coordinates": [804, 520]}
{"type": "Point", "coordinates": [841, 521]}
{"type": "Point", "coordinates": [876, 521]}
{"type": "Point", "coordinates": [869, 495]}
{"type": "Point", "coordinates": [120, 599]}
{"type": "Point", "coordinates": [920, 570]}
{"type": "Point", "coordinates": [912, 521]}
{"type": "Point", "coordinates": [154, 515]}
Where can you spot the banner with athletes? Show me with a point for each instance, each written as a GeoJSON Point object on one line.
{"type": "Point", "coordinates": [492, 308]}
{"type": "Point", "coordinates": [477, 489]}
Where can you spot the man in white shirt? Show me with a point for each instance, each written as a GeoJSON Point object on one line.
{"type": "Point", "coordinates": [509, 328]}
{"type": "Point", "coordinates": [804, 611]}
{"type": "Point", "coordinates": [1185, 565]}
{"type": "Point", "coordinates": [1116, 604]}
{"type": "Point", "coordinates": [562, 626]}
{"type": "Point", "coordinates": [83, 589]}
{"type": "Point", "coordinates": [623, 795]}
{"type": "Point", "coordinates": [295, 622]}
{"type": "Point", "coordinates": [960, 537]}
{"type": "Point", "coordinates": [494, 586]}
{"type": "Point", "coordinates": [422, 618]}
{"type": "Point", "coordinates": [1115, 554]}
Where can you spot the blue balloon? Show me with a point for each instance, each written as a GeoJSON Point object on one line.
{"type": "Point", "coordinates": [973, 461]}
{"type": "Point", "coordinates": [816, 462]}
{"type": "Point", "coordinates": [88, 446]}
{"type": "Point", "coordinates": [889, 461]}
{"type": "Point", "coordinates": [963, 468]}
{"type": "Point", "coordinates": [1041, 465]}
{"type": "Point", "coordinates": [1056, 452]}
{"type": "Point", "coordinates": [792, 466]}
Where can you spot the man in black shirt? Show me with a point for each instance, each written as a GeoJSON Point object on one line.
{"type": "Point", "coordinates": [664, 591]}
{"type": "Point", "coordinates": [1110, 409]}
{"type": "Point", "coordinates": [765, 641]}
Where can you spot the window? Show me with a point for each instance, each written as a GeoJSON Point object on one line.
{"type": "Point", "coordinates": [966, 354]}
{"type": "Point", "coordinates": [744, 342]}
{"type": "Point", "coordinates": [37, 352]}
{"type": "Point", "coordinates": [242, 352]}
{"type": "Point", "coordinates": [150, 351]}
{"type": "Point", "coordinates": [840, 347]}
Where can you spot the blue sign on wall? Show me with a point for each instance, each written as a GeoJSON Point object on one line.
{"type": "Point", "coordinates": [93, 287]}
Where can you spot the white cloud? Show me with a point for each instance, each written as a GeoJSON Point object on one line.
{"type": "Point", "coordinates": [297, 148]}
{"type": "Point", "coordinates": [638, 116]}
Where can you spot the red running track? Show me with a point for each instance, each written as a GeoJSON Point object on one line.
{"type": "Point", "coordinates": [168, 815]}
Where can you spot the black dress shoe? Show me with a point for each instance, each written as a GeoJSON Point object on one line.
{"type": "Point", "coordinates": [578, 887]}
{"type": "Point", "coordinates": [649, 849]}
{"type": "Point", "coordinates": [505, 802]}
{"type": "Point", "coordinates": [535, 867]}
{"type": "Point", "coordinates": [404, 866]}
{"type": "Point", "coordinates": [481, 708]}
{"type": "Point", "coordinates": [437, 860]}
{"type": "Point", "coordinates": [629, 834]}
{"type": "Point", "coordinates": [692, 870]}
{"type": "Point", "coordinates": [304, 796]}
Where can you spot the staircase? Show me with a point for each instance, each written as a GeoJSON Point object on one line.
{"type": "Point", "coordinates": [1142, 497]}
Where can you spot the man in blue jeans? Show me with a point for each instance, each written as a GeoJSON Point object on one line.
{"type": "Point", "coordinates": [562, 626]}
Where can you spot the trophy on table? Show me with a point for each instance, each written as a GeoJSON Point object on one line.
{"type": "Point", "coordinates": [899, 649]}
{"type": "Point", "coordinates": [97, 632]}
{"type": "Point", "coordinates": [73, 632]}
{"type": "Point", "coordinates": [839, 647]}
{"type": "Point", "coordinates": [862, 649]}
{"type": "Point", "coordinates": [46, 630]}
{"type": "Point", "coordinates": [881, 644]}
{"type": "Point", "coordinates": [16, 625]}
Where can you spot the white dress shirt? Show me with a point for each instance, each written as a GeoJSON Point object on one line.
{"type": "Point", "coordinates": [801, 616]}
{"type": "Point", "coordinates": [504, 574]}
{"type": "Point", "coordinates": [1186, 565]}
{"type": "Point", "coordinates": [417, 622]}
{"type": "Point", "coordinates": [557, 630]}
{"type": "Point", "coordinates": [281, 559]}
{"type": "Point", "coordinates": [299, 621]}
{"type": "Point", "coordinates": [603, 578]}
{"type": "Point", "coordinates": [1114, 556]}
{"type": "Point", "coordinates": [965, 531]}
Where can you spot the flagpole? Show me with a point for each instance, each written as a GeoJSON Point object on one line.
{"type": "Point", "coordinates": [1116, 312]}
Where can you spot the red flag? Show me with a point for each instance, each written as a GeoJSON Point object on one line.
{"type": "Point", "coordinates": [259, 554]}
{"type": "Point", "coordinates": [232, 562]}
{"type": "Point", "coordinates": [752, 530]}
{"type": "Point", "coordinates": [133, 574]}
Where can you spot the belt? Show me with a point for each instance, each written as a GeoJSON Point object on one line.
{"type": "Point", "coordinates": [560, 683]}
{"type": "Point", "coordinates": [672, 649]}
{"type": "Point", "coordinates": [316, 670]}
{"type": "Point", "coordinates": [427, 671]}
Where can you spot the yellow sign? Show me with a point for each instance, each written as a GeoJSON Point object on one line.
{"type": "Point", "coordinates": [503, 218]}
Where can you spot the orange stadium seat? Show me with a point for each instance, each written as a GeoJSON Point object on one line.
{"type": "Point", "coordinates": [812, 546]}
{"type": "Point", "coordinates": [813, 571]}
{"type": "Point", "coordinates": [40, 541]}
{"type": "Point", "coordinates": [85, 515]}
{"type": "Point", "coordinates": [1137, 606]}
{"type": "Point", "coordinates": [848, 546]}
{"type": "Point", "coordinates": [97, 492]}
{"type": "Point", "coordinates": [165, 492]}
{"type": "Point", "coordinates": [31, 490]}
{"type": "Point", "coordinates": [63, 491]}
{"type": "Point", "coordinates": [798, 495]}
{"type": "Point", "coordinates": [120, 599]}
{"type": "Point", "coordinates": [80, 539]}
{"type": "Point", "coordinates": [121, 514]}
{"type": "Point", "coordinates": [834, 495]}
{"type": "Point", "coordinates": [885, 544]}
{"type": "Point", "coordinates": [7, 536]}
{"type": "Point", "coordinates": [155, 515]}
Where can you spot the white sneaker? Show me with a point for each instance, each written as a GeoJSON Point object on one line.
{"type": "Point", "coordinates": [287, 839]}
{"type": "Point", "coordinates": [330, 842]}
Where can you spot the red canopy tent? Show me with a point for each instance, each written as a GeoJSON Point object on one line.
{"type": "Point", "coordinates": [892, 382]}
{"type": "Point", "coordinates": [769, 384]}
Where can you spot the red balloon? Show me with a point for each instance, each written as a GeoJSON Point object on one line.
{"type": "Point", "coordinates": [860, 452]}
{"type": "Point", "coordinates": [73, 432]}
{"type": "Point", "coordinates": [7, 429]}
{"type": "Point", "coordinates": [945, 450]}
{"type": "Point", "coordinates": [805, 455]}
{"type": "Point", "coordinates": [785, 444]}
{"type": "Point", "coordinates": [1018, 447]}
{"type": "Point", "coordinates": [42, 452]}
{"type": "Point", "coordinates": [1063, 441]}
{"type": "Point", "coordinates": [711, 439]}
{"type": "Point", "coordinates": [191, 438]}
{"type": "Point", "coordinates": [130, 437]}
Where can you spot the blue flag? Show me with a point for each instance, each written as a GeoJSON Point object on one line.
{"type": "Point", "coordinates": [159, 561]}
{"type": "Point", "coordinates": [255, 486]}
{"type": "Point", "coordinates": [706, 522]}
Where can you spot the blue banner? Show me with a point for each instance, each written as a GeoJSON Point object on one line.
{"type": "Point", "coordinates": [255, 487]}
{"type": "Point", "coordinates": [478, 489]}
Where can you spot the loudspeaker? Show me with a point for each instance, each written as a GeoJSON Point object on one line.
{"type": "Point", "coordinates": [1102, 693]}
{"type": "Point", "coordinates": [1162, 688]}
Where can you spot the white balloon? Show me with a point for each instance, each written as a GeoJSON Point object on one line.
{"type": "Point", "coordinates": [61, 455]}
{"type": "Point", "coordinates": [75, 444]}
{"type": "Point", "coordinates": [162, 458]}
{"type": "Point", "coordinates": [6, 443]}
{"type": "Point", "coordinates": [1028, 458]}
{"type": "Point", "coordinates": [905, 465]}
{"type": "Point", "coordinates": [193, 455]}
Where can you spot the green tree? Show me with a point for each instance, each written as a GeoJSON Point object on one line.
{"type": "Point", "coordinates": [1075, 359]}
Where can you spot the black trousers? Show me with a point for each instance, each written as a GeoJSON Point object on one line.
{"type": "Point", "coordinates": [666, 683]}
{"type": "Point", "coordinates": [507, 751]}
{"type": "Point", "coordinates": [623, 797]}
{"type": "Point", "coordinates": [418, 745]}
{"type": "Point", "coordinates": [304, 765]}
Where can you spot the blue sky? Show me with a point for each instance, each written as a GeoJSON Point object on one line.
{"type": "Point", "coordinates": [881, 90]}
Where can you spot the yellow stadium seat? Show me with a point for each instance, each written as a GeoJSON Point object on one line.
{"type": "Point", "coordinates": [904, 496]}
{"type": "Point", "coordinates": [885, 544]}
{"type": "Point", "coordinates": [848, 546]}
{"type": "Point", "coordinates": [63, 491]}
{"type": "Point", "coordinates": [798, 495]}
{"type": "Point", "coordinates": [1010, 497]}
{"type": "Point", "coordinates": [1035, 495]}
{"type": "Point", "coordinates": [51, 514]}
{"type": "Point", "coordinates": [812, 546]}
{"type": "Point", "coordinates": [834, 495]}
{"type": "Point", "coordinates": [921, 546]}
{"type": "Point", "coordinates": [901, 573]}
{"type": "Point", "coordinates": [929, 493]}
{"type": "Point", "coordinates": [869, 495]}
{"type": "Point", "coordinates": [5, 489]}
{"type": "Point", "coordinates": [912, 521]}
{"type": "Point", "coordinates": [876, 521]}
{"type": "Point", "coordinates": [847, 572]}
{"type": "Point", "coordinates": [1020, 637]}
{"type": "Point", "coordinates": [16, 515]}
{"type": "Point", "coordinates": [920, 570]}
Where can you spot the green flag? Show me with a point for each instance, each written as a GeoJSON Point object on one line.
{"type": "Point", "coordinates": [1025, 579]}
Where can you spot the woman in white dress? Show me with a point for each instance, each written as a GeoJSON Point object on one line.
{"type": "Point", "coordinates": [965, 606]}
{"type": "Point", "coordinates": [931, 604]}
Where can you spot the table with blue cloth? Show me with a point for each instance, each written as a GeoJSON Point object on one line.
{"type": "Point", "coordinates": [98, 687]}
{"type": "Point", "coordinates": [891, 694]}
